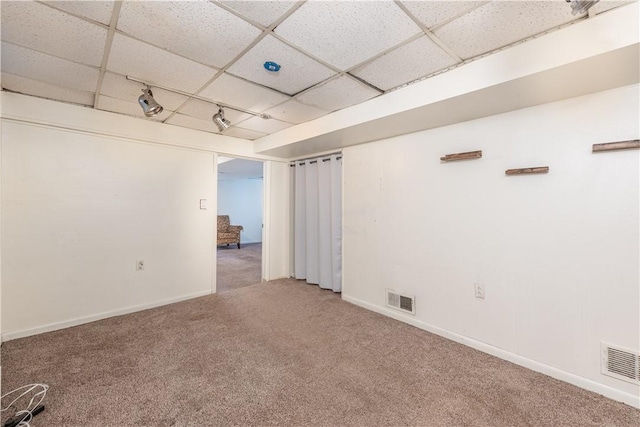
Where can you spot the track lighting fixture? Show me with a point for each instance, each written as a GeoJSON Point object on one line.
{"type": "Point", "coordinates": [581, 6]}
{"type": "Point", "coordinates": [148, 104]}
{"type": "Point", "coordinates": [220, 121]}
{"type": "Point", "coordinates": [151, 107]}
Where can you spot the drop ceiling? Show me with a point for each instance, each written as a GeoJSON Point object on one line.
{"type": "Point", "coordinates": [230, 169]}
{"type": "Point", "coordinates": [333, 54]}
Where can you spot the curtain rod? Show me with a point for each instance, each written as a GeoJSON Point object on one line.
{"type": "Point", "coordinates": [219, 104]}
{"type": "Point", "coordinates": [315, 157]}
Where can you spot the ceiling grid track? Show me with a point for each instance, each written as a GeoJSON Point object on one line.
{"type": "Point", "coordinates": [265, 32]}
{"type": "Point", "coordinates": [107, 50]}
{"type": "Point", "coordinates": [333, 55]}
{"type": "Point", "coordinates": [457, 15]}
{"type": "Point", "coordinates": [429, 34]}
{"type": "Point", "coordinates": [338, 72]}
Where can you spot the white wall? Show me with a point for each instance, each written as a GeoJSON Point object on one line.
{"type": "Point", "coordinates": [558, 253]}
{"type": "Point", "coordinates": [241, 199]}
{"type": "Point", "coordinates": [79, 210]}
{"type": "Point", "coordinates": [276, 251]}
{"type": "Point", "coordinates": [85, 193]}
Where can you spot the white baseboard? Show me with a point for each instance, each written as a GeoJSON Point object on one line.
{"type": "Point", "coordinates": [611, 393]}
{"type": "Point", "coordinates": [8, 336]}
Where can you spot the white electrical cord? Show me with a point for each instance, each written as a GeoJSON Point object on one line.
{"type": "Point", "coordinates": [39, 392]}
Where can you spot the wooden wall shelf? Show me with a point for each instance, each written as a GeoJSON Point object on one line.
{"type": "Point", "coordinates": [524, 171]}
{"type": "Point", "coordinates": [613, 146]}
{"type": "Point", "coordinates": [470, 155]}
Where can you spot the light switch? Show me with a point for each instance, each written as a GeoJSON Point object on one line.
{"type": "Point", "coordinates": [203, 204]}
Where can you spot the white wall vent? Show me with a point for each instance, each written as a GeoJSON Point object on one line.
{"type": "Point", "coordinates": [620, 363]}
{"type": "Point", "coordinates": [401, 302]}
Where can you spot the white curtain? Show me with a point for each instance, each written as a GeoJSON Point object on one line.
{"type": "Point", "coordinates": [318, 221]}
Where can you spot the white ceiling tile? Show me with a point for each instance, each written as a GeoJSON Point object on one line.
{"type": "Point", "coordinates": [97, 10]}
{"type": "Point", "coordinates": [44, 29]}
{"type": "Point", "coordinates": [298, 71]}
{"type": "Point", "coordinates": [345, 33]}
{"type": "Point", "coordinates": [263, 12]}
{"type": "Point", "coordinates": [45, 90]}
{"type": "Point", "coordinates": [244, 133]}
{"type": "Point", "coordinates": [196, 29]}
{"type": "Point", "coordinates": [417, 59]}
{"type": "Point", "coordinates": [259, 124]}
{"type": "Point", "coordinates": [501, 23]}
{"type": "Point", "coordinates": [205, 110]}
{"type": "Point", "coordinates": [46, 68]}
{"type": "Point", "coordinates": [431, 13]}
{"type": "Point", "coordinates": [604, 5]}
{"type": "Point", "coordinates": [138, 59]}
{"type": "Point", "coordinates": [240, 93]}
{"type": "Point", "coordinates": [337, 94]}
{"type": "Point", "coordinates": [117, 86]}
{"type": "Point", "coordinates": [125, 107]}
{"type": "Point", "coordinates": [295, 112]}
{"type": "Point", "coordinates": [192, 123]}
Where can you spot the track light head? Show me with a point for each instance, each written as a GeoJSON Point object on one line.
{"type": "Point", "coordinates": [151, 107]}
{"type": "Point", "coordinates": [581, 6]}
{"type": "Point", "coordinates": [220, 121]}
{"type": "Point", "coordinates": [148, 104]}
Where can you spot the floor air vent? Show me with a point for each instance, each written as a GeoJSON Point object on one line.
{"type": "Point", "coordinates": [620, 363]}
{"type": "Point", "coordinates": [401, 302]}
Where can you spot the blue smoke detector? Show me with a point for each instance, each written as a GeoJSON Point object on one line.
{"type": "Point", "coordinates": [271, 66]}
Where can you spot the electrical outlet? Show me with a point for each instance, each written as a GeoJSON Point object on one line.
{"type": "Point", "coordinates": [139, 265]}
{"type": "Point", "coordinates": [479, 290]}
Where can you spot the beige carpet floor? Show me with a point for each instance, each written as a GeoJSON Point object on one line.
{"type": "Point", "coordinates": [238, 268]}
{"type": "Point", "coordinates": [284, 353]}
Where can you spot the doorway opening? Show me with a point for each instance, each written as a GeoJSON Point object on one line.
{"type": "Point", "coordinates": [240, 223]}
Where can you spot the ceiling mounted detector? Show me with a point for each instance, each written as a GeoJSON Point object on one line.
{"type": "Point", "coordinates": [271, 66]}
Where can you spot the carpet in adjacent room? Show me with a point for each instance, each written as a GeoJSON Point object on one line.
{"type": "Point", "coordinates": [237, 268]}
